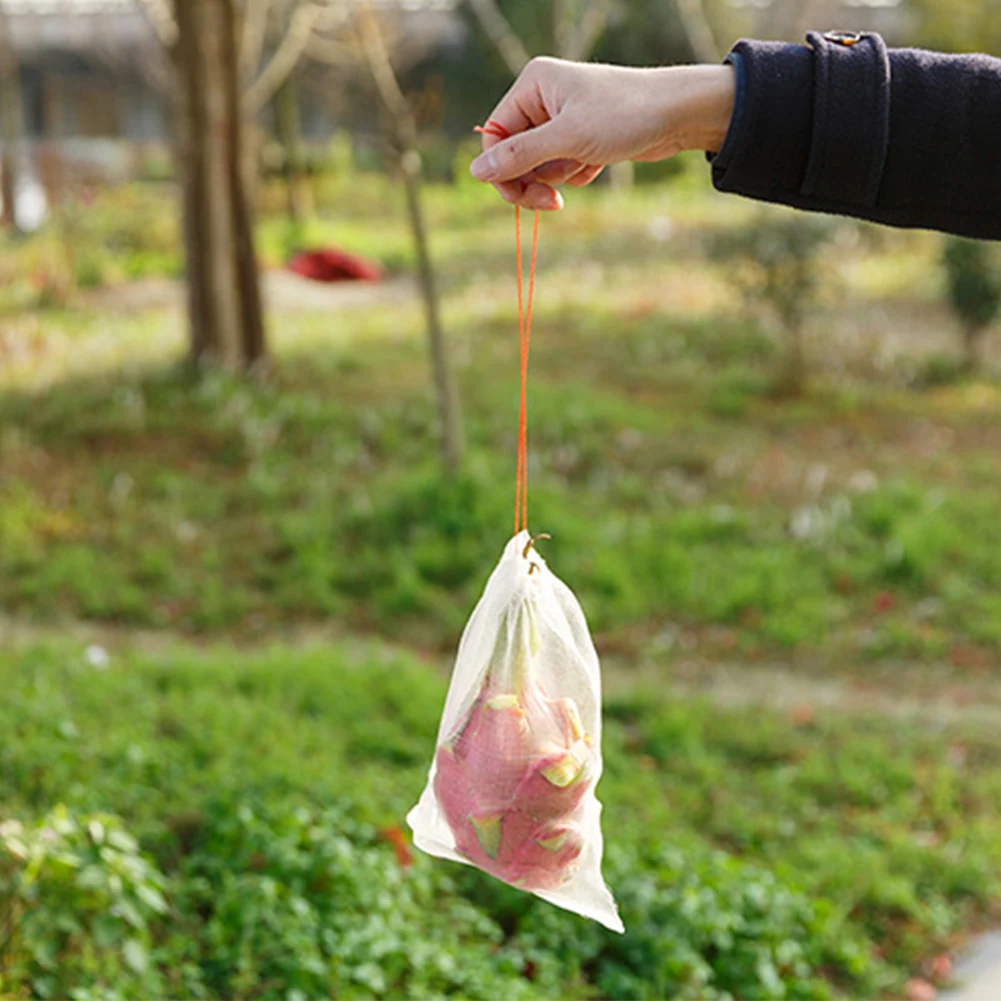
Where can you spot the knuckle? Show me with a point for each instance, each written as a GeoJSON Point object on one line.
{"type": "Point", "coordinates": [540, 64]}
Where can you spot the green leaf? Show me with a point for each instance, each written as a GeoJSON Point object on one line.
{"type": "Point", "coordinates": [136, 955]}
{"type": "Point", "coordinates": [152, 898]}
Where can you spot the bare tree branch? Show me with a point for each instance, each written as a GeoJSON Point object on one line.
{"type": "Point", "coordinates": [11, 123]}
{"type": "Point", "coordinates": [161, 20]}
{"type": "Point", "coordinates": [290, 50]}
{"type": "Point", "coordinates": [501, 34]}
{"type": "Point", "coordinates": [407, 47]}
{"type": "Point", "coordinates": [331, 52]}
{"type": "Point", "coordinates": [563, 25]}
{"type": "Point", "coordinates": [698, 31]}
{"type": "Point", "coordinates": [404, 128]}
{"type": "Point", "coordinates": [254, 29]}
{"type": "Point", "coordinates": [576, 30]}
{"type": "Point", "coordinates": [380, 65]}
{"type": "Point", "coordinates": [590, 25]}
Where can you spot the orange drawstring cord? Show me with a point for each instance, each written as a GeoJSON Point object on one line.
{"type": "Point", "coordinates": [525, 326]}
{"type": "Point", "coordinates": [524, 336]}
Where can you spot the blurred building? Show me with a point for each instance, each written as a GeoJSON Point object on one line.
{"type": "Point", "coordinates": [95, 86]}
{"type": "Point", "coordinates": [93, 80]}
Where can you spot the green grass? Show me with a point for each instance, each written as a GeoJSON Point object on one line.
{"type": "Point", "coordinates": [855, 524]}
{"type": "Point", "coordinates": [678, 492]}
{"type": "Point", "coordinates": [228, 818]}
{"type": "Point", "coordinates": [828, 857]}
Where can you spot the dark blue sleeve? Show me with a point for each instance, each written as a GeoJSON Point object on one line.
{"type": "Point", "coordinates": [845, 125]}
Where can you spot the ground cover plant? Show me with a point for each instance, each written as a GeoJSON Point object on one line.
{"type": "Point", "coordinates": [211, 824]}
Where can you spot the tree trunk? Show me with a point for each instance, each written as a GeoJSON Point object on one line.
{"type": "Point", "coordinates": [792, 377]}
{"type": "Point", "coordinates": [224, 302]}
{"type": "Point", "coordinates": [449, 413]}
{"type": "Point", "coordinates": [971, 347]}
{"type": "Point", "coordinates": [404, 131]}
{"type": "Point", "coordinates": [10, 124]}
{"type": "Point", "coordinates": [49, 161]}
{"type": "Point", "coordinates": [297, 195]}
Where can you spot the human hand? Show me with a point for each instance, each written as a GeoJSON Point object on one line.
{"type": "Point", "coordinates": [565, 121]}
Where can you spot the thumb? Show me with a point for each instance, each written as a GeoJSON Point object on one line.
{"type": "Point", "coordinates": [523, 152]}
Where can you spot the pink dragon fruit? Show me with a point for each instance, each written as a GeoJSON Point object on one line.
{"type": "Point", "coordinates": [511, 777]}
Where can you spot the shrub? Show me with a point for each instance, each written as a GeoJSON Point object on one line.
{"type": "Point", "coordinates": [79, 900]}
{"type": "Point", "coordinates": [701, 925]}
{"type": "Point", "coordinates": [706, 926]}
{"type": "Point", "coordinates": [270, 789]}
{"type": "Point", "coordinates": [776, 263]}
{"type": "Point", "coordinates": [305, 903]}
{"type": "Point", "coordinates": [974, 283]}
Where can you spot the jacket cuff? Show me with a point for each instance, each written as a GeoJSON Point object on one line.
{"type": "Point", "coordinates": [722, 157]}
{"type": "Point", "coordinates": [809, 121]}
{"type": "Point", "coordinates": [851, 118]}
{"type": "Point", "coordinates": [765, 146]}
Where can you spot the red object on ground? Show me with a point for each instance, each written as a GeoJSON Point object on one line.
{"type": "Point", "coordinates": [328, 264]}
{"type": "Point", "coordinates": [400, 843]}
{"type": "Point", "coordinates": [884, 602]}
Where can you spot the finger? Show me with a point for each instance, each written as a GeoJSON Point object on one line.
{"type": "Point", "coordinates": [558, 171]}
{"type": "Point", "coordinates": [585, 176]}
{"type": "Point", "coordinates": [511, 191]}
{"type": "Point", "coordinates": [519, 109]}
{"type": "Point", "coordinates": [515, 157]}
{"type": "Point", "coordinates": [534, 195]}
{"type": "Point", "coordinates": [543, 197]}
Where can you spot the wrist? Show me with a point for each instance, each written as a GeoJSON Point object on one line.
{"type": "Point", "coordinates": [702, 98]}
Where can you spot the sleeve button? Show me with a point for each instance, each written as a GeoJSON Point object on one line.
{"type": "Point", "coordinates": [843, 37]}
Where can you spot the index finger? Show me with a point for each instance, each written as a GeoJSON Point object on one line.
{"type": "Point", "coordinates": [519, 109]}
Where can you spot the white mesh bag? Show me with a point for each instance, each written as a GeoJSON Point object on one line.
{"type": "Point", "coordinates": [512, 785]}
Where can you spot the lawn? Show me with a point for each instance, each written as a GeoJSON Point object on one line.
{"type": "Point", "coordinates": [857, 523]}
{"type": "Point", "coordinates": [217, 811]}
{"type": "Point", "coordinates": [754, 854]}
